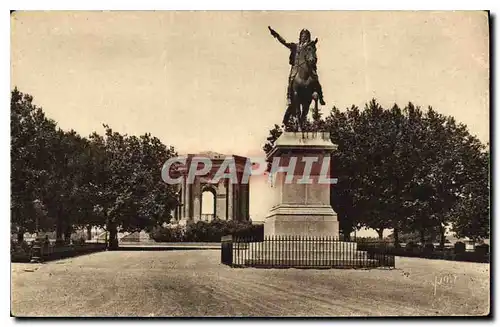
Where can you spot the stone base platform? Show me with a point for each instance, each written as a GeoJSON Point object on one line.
{"type": "Point", "coordinates": [315, 264]}
{"type": "Point", "coordinates": [304, 253]}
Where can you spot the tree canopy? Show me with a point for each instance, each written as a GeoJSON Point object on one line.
{"type": "Point", "coordinates": [61, 180]}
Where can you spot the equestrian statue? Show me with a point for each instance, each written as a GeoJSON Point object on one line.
{"type": "Point", "coordinates": [303, 82]}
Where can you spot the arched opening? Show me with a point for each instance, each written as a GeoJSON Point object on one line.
{"type": "Point", "coordinates": [208, 204]}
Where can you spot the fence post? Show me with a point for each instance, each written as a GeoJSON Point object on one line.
{"type": "Point", "coordinates": [227, 250]}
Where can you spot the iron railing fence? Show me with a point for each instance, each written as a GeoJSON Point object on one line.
{"type": "Point", "coordinates": [302, 252]}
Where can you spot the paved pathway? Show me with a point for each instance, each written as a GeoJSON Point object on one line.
{"type": "Point", "coordinates": [193, 283]}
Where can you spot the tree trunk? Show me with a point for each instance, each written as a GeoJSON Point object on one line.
{"type": "Point", "coordinates": [346, 228]}
{"type": "Point", "coordinates": [346, 232]}
{"type": "Point", "coordinates": [396, 238]}
{"type": "Point", "coordinates": [422, 237]}
{"type": "Point", "coordinates": [113, 236]}
{"type": "Point", "coordinates": [442, 231]}
{"type": "Point", "coordinates": [59, 233]}
{"type": "Point", "coordinates": [20, 236]}
{"type": "Point", "coordinates": [380, 232]}
{"type": "Point", "coordinates": [89, 232]}
{"type": "Point", "coordinates": [67, 234]}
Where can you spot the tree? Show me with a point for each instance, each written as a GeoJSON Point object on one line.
{"type": "Point", "coordinates": [365, 163]}
{"type": "Point", "coordinates": [471, 214]}
{"type": "Point", "coordinates": [446, 152]}
{"type": "Point", "coordinates": [31, 134]}
{"type": "Point", "coordinates": [63, 188]}
{"type": "Point", "coordinates": [127, 177]}
{"type": "Point", "coordinates": [62, 180]}
{"type": "Point", "coordinates": [343, 128]}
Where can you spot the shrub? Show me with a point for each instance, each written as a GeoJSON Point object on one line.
{"type": "Point", "coordinates": [482, 249]}
{"type": "Point", "coordinates": [60, 242]}
{"type": "Point", "coordinates": [459, 247]}
{"type": "Point", "coordinates": [167, 234]}
{"type": "Point", "coordinates": [429, 248]}
{"type": "Point", "coordinates": [79, 241]}
{"type": "Point", "coordinates": [368, 239]}
{"type": "Point", "coordinates": [248, 231]}
{"type": "Point", "coordinates": [374, 245]}
{"type": "Point", "coordinates": [209, 231]}
{"type": "Point", "coordinates": [203, 232]}
{"type": "Point", "coordinates": [19, 247]}
{"type": "Point", "coordinates": [13, 245]}
{"type": "Point", "coordinates": [410, 246]}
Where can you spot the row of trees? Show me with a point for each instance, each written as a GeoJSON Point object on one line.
{"type": "Point", "coordinates": [405, 169]}
{"type": "Point", "coordinates": [61, 180]}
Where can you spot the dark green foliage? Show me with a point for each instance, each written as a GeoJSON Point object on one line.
{"type": "Point", "coordinates": [428, 251]}
{"type": "Point", "coordinates": [271, 139]}
{"type": "Point", "coordinates": [130, 192]}
{"type": "Point", "coordinates": [482, 249]}
{"type": "Point", "coordinates": [208, 231]}
{"type": "Point", "coordinates": [79, 241]}
{"type": "Point", "coordinates": [167, 234]}
{"type": "Point", "coordinates": [471, 213]}
{"type": "Point", "coordinates": [411, 247]}
{"type": "Point", "coordinates": [61, 181]}
{"type": "Point", "coordinates": [459, 247]}
{"type": "Point", "coordinates": [428, 248]}
{"type": "Point", "coordinates": [32, 136]}
{"type": "Point", "coordinates": [214, 230]}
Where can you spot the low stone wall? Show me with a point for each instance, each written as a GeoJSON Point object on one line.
{"type": "Point", "coordinates": [59, 252]}
{"type": "Point", "coordinates": [54, 252]}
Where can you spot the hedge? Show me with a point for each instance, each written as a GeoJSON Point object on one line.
{"type": "Point", "coordinates": [208, 231]}
{"type": "Point", "coordinates": [429, 252]}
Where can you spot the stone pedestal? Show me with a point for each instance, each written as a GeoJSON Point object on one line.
{"type": "Point", "coordinates": [302, 191]}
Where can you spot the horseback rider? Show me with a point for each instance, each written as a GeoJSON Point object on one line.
{"type": "Point", "coordinates": [295, 49]}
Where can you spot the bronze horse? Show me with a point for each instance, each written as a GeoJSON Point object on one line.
{"type": "Point", "coordinates": [303, 86]}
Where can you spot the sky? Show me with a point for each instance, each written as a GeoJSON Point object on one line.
{"type": "Point", "coordinates": [216, 81]}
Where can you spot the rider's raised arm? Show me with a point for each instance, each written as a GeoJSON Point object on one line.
{"type": "Point", "coordinates": [280, 38]}
{"type": "Point", "coordinates": [284, 42]}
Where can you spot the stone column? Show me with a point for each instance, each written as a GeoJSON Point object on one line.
{"type": "Point", "coordinates": [236, 202]}
{"type": "Point", "coordinates": [230, 206]}
{"type": "Point", "coordinates": [196, 191]}
{"type": "Point", "coordinates": [183, 199]}
{"type": "Point", "coordinates": [245, 202]}
{"type": "Point", "coordinates": [187, 202]}
{"type": "Point", "coordinates": [221, 200]}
